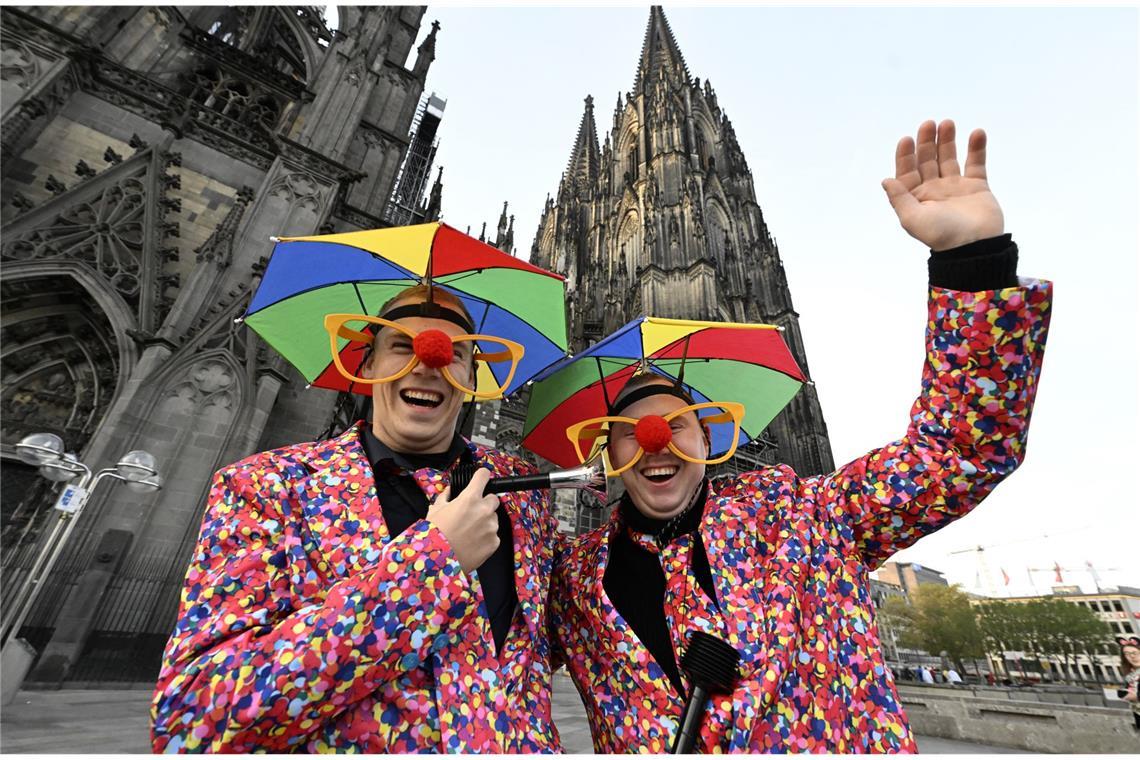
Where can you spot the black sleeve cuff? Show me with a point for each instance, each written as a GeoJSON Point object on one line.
{"type": "Point", "coordinates": [987, 264]}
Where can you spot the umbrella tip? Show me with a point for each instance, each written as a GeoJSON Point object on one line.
{"type": "Point", "coordinates": [238, 320]}
{"type": "Point", "coordinates": [781, 328]}
{"type": "Point", "coordinates": [308, 386]}
{"type": "Point", "coordinates": [274, 239]}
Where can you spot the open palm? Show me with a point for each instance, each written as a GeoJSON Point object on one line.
{"type": "Point", "coordinates": [935, 201]}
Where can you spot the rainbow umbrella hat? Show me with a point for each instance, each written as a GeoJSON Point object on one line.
{"type": "Point", "coordinates": [357, 272]}
{"type": "Point", "coordinates": [722, 361]}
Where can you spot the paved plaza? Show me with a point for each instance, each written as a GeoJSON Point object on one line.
{"type": "Point", "coordinates": [109, 721]}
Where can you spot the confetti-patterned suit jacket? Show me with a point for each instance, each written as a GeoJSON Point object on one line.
{"type": "Point", "coordinates": [304, 627]}
{"type": "Point", "coordinates": [789, 558]}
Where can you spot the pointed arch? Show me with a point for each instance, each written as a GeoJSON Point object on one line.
{"type": "Point", "coordinates": [65, 355]}
{"type": "Point", "coordinates": [706, 136]}
{"type": "Point", "coordinates": [629, 239]}
{"type": "Point", "coordinates": [717, 225]}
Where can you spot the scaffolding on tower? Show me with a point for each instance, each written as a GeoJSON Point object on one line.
{"type": "Point", "coordinates": [406, 204]}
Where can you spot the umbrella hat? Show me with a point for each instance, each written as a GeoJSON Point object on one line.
{"type": "Point", "coordinates": [715, 362]}
{"type": "Point", "coordinates": [358, 272]}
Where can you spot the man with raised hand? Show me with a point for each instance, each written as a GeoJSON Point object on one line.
{"type": "Point", "coordinates": [776, 565]}
{"type": "Point", "coordinates": [328, 607]}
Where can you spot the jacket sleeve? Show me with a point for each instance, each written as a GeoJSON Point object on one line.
{"type": "Point", "coordinates": [246, 669]}
{"type": "Point", "coordinates": [967, 429]}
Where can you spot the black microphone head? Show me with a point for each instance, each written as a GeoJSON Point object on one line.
{"type": "Point", "coordinates": [711, 663]}
{"type": "Point", "coordinates": [461, 475]}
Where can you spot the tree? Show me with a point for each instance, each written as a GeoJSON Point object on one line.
{"type": "Point", "coordinates": [1066, 630]}
{"type": "Point", "coordinates": [938, 619]}
{"type": "Point", "coordinates": [1042, 627]}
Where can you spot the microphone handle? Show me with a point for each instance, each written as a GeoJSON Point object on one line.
{"type": "Point", "coordinates": [691, 721]}
{"type": "Point", "coordinates": [461, 475]}
{"type": "Point", "coordinates": [517, 483]}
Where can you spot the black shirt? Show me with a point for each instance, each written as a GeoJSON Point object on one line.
{"type": "Point", "coordinates": [403, 503]}
{"type": "Point", "coordinates": [635, 582]}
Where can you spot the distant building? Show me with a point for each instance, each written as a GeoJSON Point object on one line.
{"type": "Point", "coordinates": [1119, 608]}
{"type": "Point", "coordinates": [881, 591]}
{"type": "Point", "coordinates": [901, 579]}
{"type": "Point", "coordinates": [908, 575]}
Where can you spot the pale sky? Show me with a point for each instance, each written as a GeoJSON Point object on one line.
{"type": "Point", "coordinates": [818, 98]}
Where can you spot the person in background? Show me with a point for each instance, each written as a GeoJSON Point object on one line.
{"type": "Point", "coordinates": [1130, 666]}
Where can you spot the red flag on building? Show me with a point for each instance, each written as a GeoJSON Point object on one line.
{"type": "Point", "coordinates": [1004, 577]}
{"type": "Point", "coordinates": [1057, 567]}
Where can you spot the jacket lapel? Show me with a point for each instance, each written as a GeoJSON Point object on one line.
{"type": "Point", "coordinates": [760, 588]}
{"type": "Point", "coordinates": [339, 507]}
{"type": "Point", "coordinates": [628, 657]}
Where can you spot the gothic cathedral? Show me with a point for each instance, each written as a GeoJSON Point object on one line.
{"type": "Point", "coordinates": [149, 154]}
{"type": "Point", "coordinates": [661, 219]}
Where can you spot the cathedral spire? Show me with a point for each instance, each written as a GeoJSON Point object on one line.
{"type": "Point", "coordinates": [659, 51]}
{"type": "Point", "coordinates": [426, 53]}
{"type": "Point", "coordinates": [582, 170]}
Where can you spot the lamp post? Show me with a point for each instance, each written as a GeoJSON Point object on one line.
{"type": "Point", "coordinates": [138, 469]}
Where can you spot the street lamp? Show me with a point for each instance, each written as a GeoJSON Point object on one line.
{"type": "Point", "coordinates": [138, 469]}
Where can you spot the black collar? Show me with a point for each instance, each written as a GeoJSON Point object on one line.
{"type": "Point", "coordinates": [668, 529]}
{"type": "Point", "coordinates": [382, 458]}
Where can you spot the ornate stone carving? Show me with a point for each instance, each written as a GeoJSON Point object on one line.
{"type": "Point", "coordinates": [18, 64]}
{"type": "Point", "coordinates": [357, 218]}
{"type": "Point", "coordinates": [249, 142]}
{"type": "Point", "coordinates": [218, 248]}
{"type": "Point", "coordinates": [236, 61]}
{"type": "Point", "coordinates": [315, 163]}
{"type": "Point", "coordinates": [106, 233]}
{"type": "Point", "coordinates": [302, 191]}
{"type": "Point", "coordinates": [208, 391]}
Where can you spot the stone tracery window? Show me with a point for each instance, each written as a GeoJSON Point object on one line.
{"type": "Point", "coordinates": [106, 233]}
{"type": "Point", "coordinates": [716, 229]}
{"type": "Point", "coordinates": [235, 98]}
{"type": "Point", "coordinates": [630, 241]}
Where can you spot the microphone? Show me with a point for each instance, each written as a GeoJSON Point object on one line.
{"type": "Point", "coordinates": [589, 477]}
{"type": "Point", "coordinates": [711, 664]}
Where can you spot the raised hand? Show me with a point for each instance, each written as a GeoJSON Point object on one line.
{"type": "Point", "coordinates": [935, 201]}
{"type": "Point", "coordinates": [468, 521]}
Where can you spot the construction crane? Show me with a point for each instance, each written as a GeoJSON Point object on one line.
{"type": "Point", "coordinates": [1088, 568]}
{"type": "Point", "coordinates": [983, 578]}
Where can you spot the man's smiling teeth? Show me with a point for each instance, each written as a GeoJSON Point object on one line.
{"type": "Point", "coordinates": [660, 473]}
{"type": "Point", "coordinates": [422, 398]}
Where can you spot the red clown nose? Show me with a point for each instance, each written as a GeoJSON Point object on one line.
{"type": "Point", "coordinates": [433, 348]}
{"type": "Point", "coordinates": [653, 433]}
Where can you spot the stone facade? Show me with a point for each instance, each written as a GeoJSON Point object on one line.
{"type": "Point", "coordinates": [661, 219]}
{"type": "Point", "coordinates": [149, 154]}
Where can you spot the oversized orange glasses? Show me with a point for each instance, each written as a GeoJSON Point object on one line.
{"type": "Point", "coordinates": [721, 420]}
{"type": "Point", "coordinates": [433, 348]}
